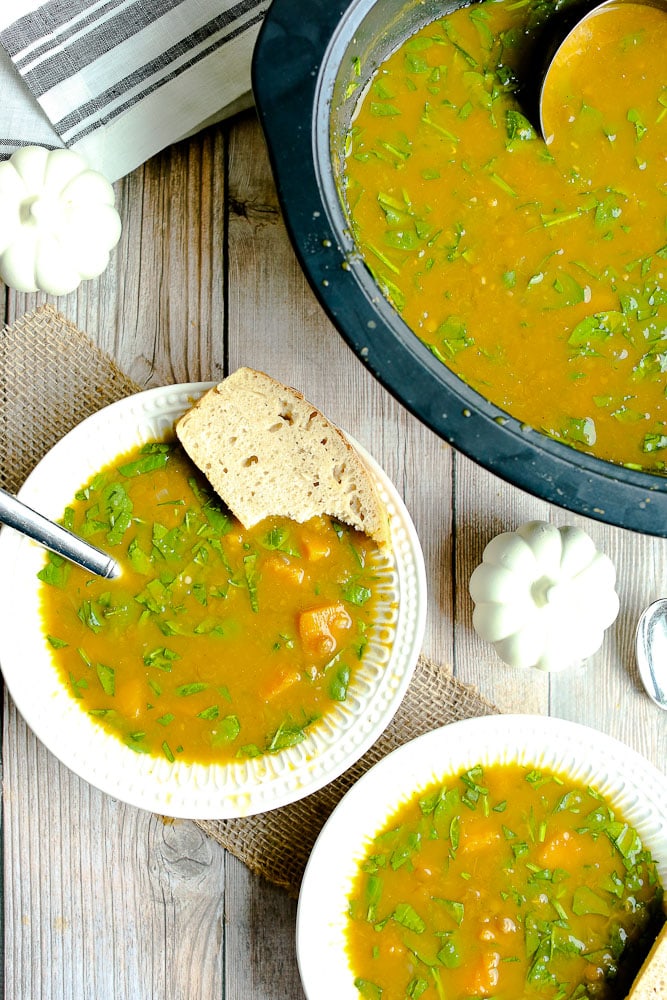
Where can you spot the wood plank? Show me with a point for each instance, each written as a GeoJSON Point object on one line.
{"type": "Point", "coordinates": [485, 506]}
{"type": "Point", "coordinates": [159, 309]}
{"type": "Point", "coordinates": [605, 692]}
{"type": "Point", "coordinates": [260, 952]}
{"type": "Point", "coordinates": [103, 900]}
{"type": "Point", "coordinates": [277, 325]}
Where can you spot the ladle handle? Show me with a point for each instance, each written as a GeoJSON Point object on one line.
{"type": "Point", "coordinates": [52, 536]}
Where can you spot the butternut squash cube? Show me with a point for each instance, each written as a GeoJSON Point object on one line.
{"type": "Point", "coordinates": [319, 628]}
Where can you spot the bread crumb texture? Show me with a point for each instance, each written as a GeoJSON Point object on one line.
{"type": "Point", "coordinates": [267, 451]}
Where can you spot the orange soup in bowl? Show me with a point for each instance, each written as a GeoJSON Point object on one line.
{"type": "Point", "coordinates": [216, 643]}
{"type": "Point", "coordinates": [503, 882]}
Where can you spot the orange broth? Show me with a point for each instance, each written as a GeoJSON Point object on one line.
{"type": "Point", "coordinates": [215, 642]}
{"type": "Point", "coordinates": [505, 882]}
{"type": "Point", "coordinates": [535, 271]}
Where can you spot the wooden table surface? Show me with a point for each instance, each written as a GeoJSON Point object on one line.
{"type": "Point", "coordinates": [108, 902]}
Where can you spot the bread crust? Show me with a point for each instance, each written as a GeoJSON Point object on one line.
{"type": "Point", "coordinates": [651, 980]}
{"type": "Point", "coordinates": [267, 450]}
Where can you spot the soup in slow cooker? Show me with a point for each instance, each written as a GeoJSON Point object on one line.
{"type": "Point", "coordinates": [533, 269]}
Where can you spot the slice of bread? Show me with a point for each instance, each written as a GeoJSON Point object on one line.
{"type": "Point", "coordinates": [651, 980]}
{"type": "Point", "coordinates": [267, 451]}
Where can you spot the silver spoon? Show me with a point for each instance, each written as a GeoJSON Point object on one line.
{"type": "Point", "coordinates": [651, 646]}
{"type": "Point", "coordinates": [52, 536]}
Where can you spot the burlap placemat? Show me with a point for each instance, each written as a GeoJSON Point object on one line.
{"type": "Point", "coordinates": [51, 377]}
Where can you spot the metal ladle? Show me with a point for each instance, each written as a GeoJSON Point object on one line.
{"type": "Point", "coordinates": [52, 536]}
{"type": "Point", "coordinates": [651, 649]}
{"type": "Point", "coordinates": [572, 21]}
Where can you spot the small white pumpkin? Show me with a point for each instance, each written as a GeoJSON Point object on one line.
{"type": "Point", "coordinates": [58, 222]}
{"type": "Point", "coordinates": [544, 596]}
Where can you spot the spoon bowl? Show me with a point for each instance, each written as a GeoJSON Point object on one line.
{"type": "Point", "coordinates": [651, 650]}
{"type": "Point", "coordinates": [570, 38]}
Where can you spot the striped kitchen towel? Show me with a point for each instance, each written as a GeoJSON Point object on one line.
{"type": "Point", "coordinates": [119, 80]}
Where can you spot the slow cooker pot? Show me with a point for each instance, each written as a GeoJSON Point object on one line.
{"type": "Point", "coordinates": [310, 64]}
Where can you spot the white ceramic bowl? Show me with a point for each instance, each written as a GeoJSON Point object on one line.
{"type": "Point", "coordinates": [631, 785]}
{"type": "Point", "coordinates": [180, 789]}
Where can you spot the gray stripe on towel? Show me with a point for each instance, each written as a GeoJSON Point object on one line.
{"type": "Point", "coordinates": [63, 126]}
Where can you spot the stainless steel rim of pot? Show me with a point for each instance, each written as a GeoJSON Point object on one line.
{"type": "Point", "coordinates": [651, 650]}
{"type": "Point", "coordinates": [556, 51]}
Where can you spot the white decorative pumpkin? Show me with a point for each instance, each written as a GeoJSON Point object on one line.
{"type": "Point", "coordinates": [58, 222]}
{"type": "Point", "coordinates": [544, 596]}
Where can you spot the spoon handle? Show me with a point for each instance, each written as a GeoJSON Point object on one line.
{"type": "Point", "coordinates": [52, 536]}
